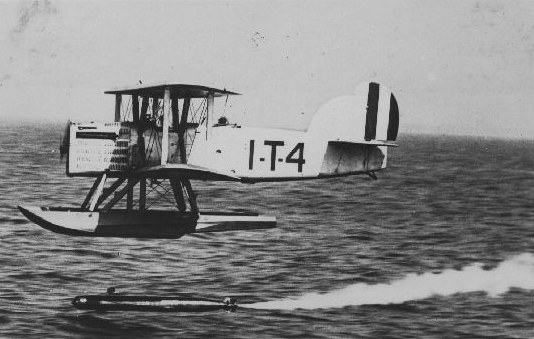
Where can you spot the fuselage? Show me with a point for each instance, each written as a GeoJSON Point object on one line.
{"type": "Point", "coordinates": [266, 154]}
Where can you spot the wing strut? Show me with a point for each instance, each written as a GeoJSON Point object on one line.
{"type": "Point", "coordinates": [178, 186]}
{"type": "Point", "coordinates": [183, 129]}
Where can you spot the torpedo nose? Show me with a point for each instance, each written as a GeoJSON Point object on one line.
{"type": "Point", "coordinates": [230, 303]}
{"type": "Point", "coordinates": [79, 301]}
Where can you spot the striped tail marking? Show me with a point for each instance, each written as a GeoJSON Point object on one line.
{"type": "Point", "coordinates": [373, 111]}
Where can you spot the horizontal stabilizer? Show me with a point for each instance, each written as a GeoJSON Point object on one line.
{"type": "Point", "coordinates": [367, 142]}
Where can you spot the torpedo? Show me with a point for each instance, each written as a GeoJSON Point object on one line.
{"type": "Point", "coordinates": [116, 302]}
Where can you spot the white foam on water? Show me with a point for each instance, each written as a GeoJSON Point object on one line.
{"type": "Point", "coordinates": [515, 272]}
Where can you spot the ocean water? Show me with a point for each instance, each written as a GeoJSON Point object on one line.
{"type": "Point", "coordinates": [441, 246]}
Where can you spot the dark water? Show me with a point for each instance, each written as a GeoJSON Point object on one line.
{"type": "Point", "coordinates": [393, 258]}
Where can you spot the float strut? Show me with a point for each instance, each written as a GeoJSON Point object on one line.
{"type": "Point", "coordinates": [118, 196]}
{"type": "Point", "coordinates": [178, 194]}
{"type": "Point", "coordinates": [142, 194]}
{"type": "Point", "coordinates": [192, 197]}
{"type": "Point", "coordinates": [108, 191]}
{"type": "Point", "coordinates": [87, 200]}
{"type": "Point", "coordinates": [98, 192]}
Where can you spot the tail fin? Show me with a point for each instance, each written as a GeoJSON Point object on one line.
{"type": "Point", "coordinates": [356, 130]}
{"type": "Point", "coordinates": [371, 113]}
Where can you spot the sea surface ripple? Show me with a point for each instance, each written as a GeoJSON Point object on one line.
{"type": "Point", "coordinates": [448, 211]}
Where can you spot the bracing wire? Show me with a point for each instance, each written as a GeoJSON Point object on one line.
{"type": "Point", "coordinates": [125, 112]}
{"type": "Point", "coordinates": [225, 103]}
{"type": "Point", "coordinates": [160, 195]}
{"type": "Point", "coordinates": [158, 198]}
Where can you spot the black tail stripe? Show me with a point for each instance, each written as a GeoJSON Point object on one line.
{"type": "Point", "coordinates": [372, 110]}
{"type": "Point", "coordinates": [251, 155]}
{"type": "Point", "coordinates": [393, 124]}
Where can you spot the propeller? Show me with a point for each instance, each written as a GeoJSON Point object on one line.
{"type": "Point", "coordinates": [64, 141]}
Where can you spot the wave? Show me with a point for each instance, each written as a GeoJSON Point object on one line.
{"type": "Point", "coordinates": [516, 272]}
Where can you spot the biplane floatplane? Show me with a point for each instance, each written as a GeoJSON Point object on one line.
{"type": "Point", "coordinates": [170, 134]}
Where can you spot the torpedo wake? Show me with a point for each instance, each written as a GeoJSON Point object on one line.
{"type": "Point", "coordinates": [516, 272]}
